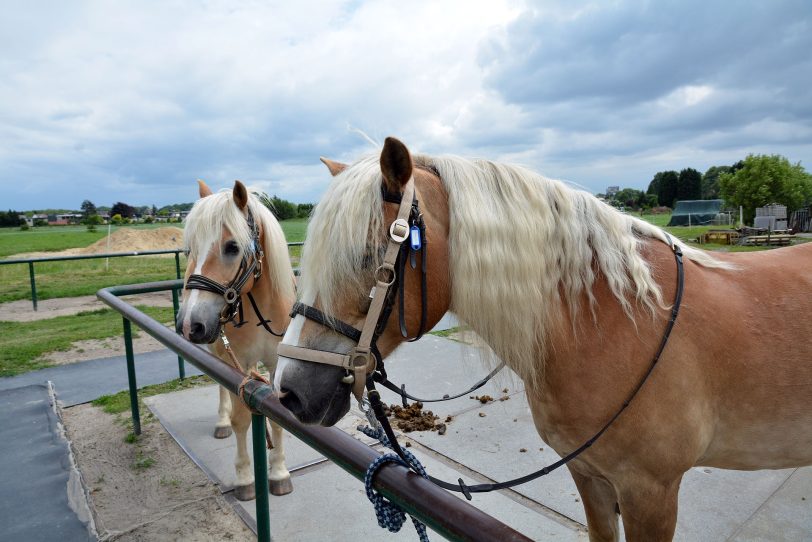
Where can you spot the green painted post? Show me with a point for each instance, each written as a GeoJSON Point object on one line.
{"type": "Point", "coordinates": [128, 349]}
{"type": "Point", "coordinates": [33, 284]}
{"type": "Point", "coordinates": [175, 308]}
{"type": "Point", "coordinates": [177, 265]}
{"type": "Point", "coordinates": [261, 478]}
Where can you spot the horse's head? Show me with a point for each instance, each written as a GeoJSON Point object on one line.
{"type": "Point", "coordinates": [354, 246]}
{"type": "Point", "coordinates": [223, 238]}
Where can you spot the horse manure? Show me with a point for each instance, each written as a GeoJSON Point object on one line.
{"type": "Point", "coordinates": [482, 414]}
{"type": "Point", "coordinates": [408, 444]}
{"type": "Point", "coordinates": [505, 390]}
{"type": "Point", "coordinates": [448, 419]}
{"type": "Point", "coordinates": [504, 398]}
{"type": "Point", "coordinates": [441, 428]}
{"type": "Point", "coordinates": [484, 399]}
{"type": "Point", "coordinates": [522, 450]}
{"type": "Point", "coordinates": [412, 418]}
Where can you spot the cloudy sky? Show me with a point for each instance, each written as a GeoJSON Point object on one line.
{"type": "Point", "coordinates": [132, 101]}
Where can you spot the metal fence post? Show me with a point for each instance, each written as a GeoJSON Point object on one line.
{"type": "Point", "coordinates": [128, 348]}
{"type": "Point", "coordinates": [177, 265]}
{"type": "Point", "coordinates": [175, 307]}
{"type": "Point", "coordinates": [33, 284]}
{"type": "Point", "coordinates": [261, 478]}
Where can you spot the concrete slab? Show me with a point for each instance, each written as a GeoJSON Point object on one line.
{"type": "Point", "coordinates": [318, 489]}
{"type": "Point", "coordinates": [41, 493]}
{"type": "Point", "coordinates": [190, 416]}
{"type": "Point", "coordinates": [84, 381]}
{"type": "Point", "coordinates": [448, 321]}
{"type": "Point", "coordinates": [786, 515]}
{"type": "Point", "coordinates": [435, 366]}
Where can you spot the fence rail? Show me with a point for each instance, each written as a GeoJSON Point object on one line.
{"type": "Point", "coordinates": [31, 261]}
{"type": "Point", "coordinates": [447, 514]}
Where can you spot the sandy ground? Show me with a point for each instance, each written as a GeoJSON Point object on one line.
{"type": "Point", "coordinates": [149, 489]}
{"type": "Point", "coordinates": [122, 240]}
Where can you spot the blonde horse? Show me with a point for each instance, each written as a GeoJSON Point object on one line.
{"type": "Point", "coordinates": [236, 249]}
{"type": "Point", "coordinates": [575, 297]}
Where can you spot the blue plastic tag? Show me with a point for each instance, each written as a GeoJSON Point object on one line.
{"type": "Point", "coordinates": [414, 237]}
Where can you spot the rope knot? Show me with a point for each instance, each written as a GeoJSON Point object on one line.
{"type": "Point", "coordinates": [389, 515]}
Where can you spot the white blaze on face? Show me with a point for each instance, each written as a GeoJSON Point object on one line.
{"type": "Point", "coordinates": [292, 336]}
{"type": "Point", "coordinates": [189, 304]}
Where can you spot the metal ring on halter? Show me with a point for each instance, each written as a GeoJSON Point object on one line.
{"type": "Point", "coordinates": [230, 295]}
{"type": "Point", "coordinates": [399, 230]}
{"type": "Point", "coordinates": [390, 269]}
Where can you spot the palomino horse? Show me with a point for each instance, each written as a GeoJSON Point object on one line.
{"type": "Point", "coordinates": [236, 250]}
{"type": "Point", "coordinates": [575, 297]}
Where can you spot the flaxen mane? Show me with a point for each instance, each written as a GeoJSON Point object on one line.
{"type": "Point", "coordinates": [210, 215]}
{"type": "Point", "coordinates": [528, 238]}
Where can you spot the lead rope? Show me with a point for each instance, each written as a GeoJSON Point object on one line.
{"type": "Point", "coordinates": [253, 375]}
{"type": "Point", "coordinates": [390, 516]}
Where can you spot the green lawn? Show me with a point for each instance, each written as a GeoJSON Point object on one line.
{"type": "Point", "coordinates": [86, 277]}
{"type": "Point", "coordinates": [23, 343]}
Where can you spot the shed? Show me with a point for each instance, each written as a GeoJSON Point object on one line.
{"type": "Point", "coordinates": [695, 212]}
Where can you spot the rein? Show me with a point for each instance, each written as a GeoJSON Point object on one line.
{"type": "Point", "coordinates": [250, 266]}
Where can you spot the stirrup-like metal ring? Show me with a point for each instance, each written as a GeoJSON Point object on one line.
{"type": "Point", "coordinates": [390, 270]}
{"type": "Point", "coordinates": [231, 295]}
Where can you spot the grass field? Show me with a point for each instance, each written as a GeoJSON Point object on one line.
{"type": "Point", "coordinates": [86, 277]}
{"type": "Point", "coordinates": [23, 343]}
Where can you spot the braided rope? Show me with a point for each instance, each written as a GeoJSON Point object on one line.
{"type": "Point", "coordinates": [389, 515]}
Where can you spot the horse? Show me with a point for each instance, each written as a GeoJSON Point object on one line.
{"type": "Point", "coordinates": [232, 236]}
{"type": "Point", "coordinates": [575, 297]}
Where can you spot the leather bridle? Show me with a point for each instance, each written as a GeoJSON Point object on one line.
{"type": "Point", "coordinates": [365, 359]}
{"type": "Point", "coordinates": [250, 266]}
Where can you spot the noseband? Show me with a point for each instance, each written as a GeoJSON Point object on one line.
{"type": "Point", "coordinates": [365, 359]}
{"type": "Point", "coordinates": [250, 266]}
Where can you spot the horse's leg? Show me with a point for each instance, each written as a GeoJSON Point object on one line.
{"type": "Point", "coordinates": [223, 427]}
{"type": "Point", "coordinates": [240, 421]}
{"type": "Point", "coordinates": [600, 504]}
{"type": "Point", "coordinates": [649, 509]}
{"type": "Point", "coordinates": [279, 476]}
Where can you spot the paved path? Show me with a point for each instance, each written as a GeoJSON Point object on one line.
{"type": "Point", "coordinates": [483, 442]}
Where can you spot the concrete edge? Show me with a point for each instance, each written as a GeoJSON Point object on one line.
{"type": "Point", "coordinates": [79, 498]}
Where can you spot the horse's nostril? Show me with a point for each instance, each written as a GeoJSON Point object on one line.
{"type": "Point", "coordinates": [197, 331]}
{"type": "Point", "coordinates": [290, 401]}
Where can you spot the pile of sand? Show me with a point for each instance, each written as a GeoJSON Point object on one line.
{"type": "Point", "coordinates": [131, 239]}
{"type": "Point", "coordinates": [122, 240]}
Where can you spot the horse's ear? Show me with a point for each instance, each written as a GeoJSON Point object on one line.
{"type": "Point", "coordinates": [203, 188]}
{"type": "Point", "coordinates": [396, 164]}
{"type": "Point", "coordinates": [240, 195]}
{"type": "Point", "coordinates": [334, 167]}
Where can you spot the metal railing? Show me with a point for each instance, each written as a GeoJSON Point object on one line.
{"type": "Point", "coordinates": [447, 514]}
{"type": "Point", "coordinates": [32, 275]}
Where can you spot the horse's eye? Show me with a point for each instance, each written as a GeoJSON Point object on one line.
{"type": "Point", "coordinates": [231, 249]}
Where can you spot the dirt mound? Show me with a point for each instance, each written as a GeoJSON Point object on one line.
{"type": "Point", "coordinates": [123, 240]}
{"type": "Point", "coordinates": [131, 239]}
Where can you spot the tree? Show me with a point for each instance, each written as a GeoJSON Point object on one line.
{"type": "Point", "coordinates": [710, 181]}
{"type": "Point", "coordinates": [665, 184]}
{"type": "Point", "coordinates": [121, 208]}
{"type": "Point", "coordinates": [11, 218]}
{"type": "Point", "coordinates": [281, 209]}
{"type": "Point", "coordinates": [764, 179]}
{"type": "Point", "coordinates": [304, 210]}
{"type": "Point", "coordinates": [88, 209]}
{"type": "Point", "coordinates": [689, 185]}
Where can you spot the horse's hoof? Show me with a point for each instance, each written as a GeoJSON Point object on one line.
{"type": "Point", "coordinates": [280, 487]}
{"type": "Point", "coordinates": [245, 493]}
{"type": "Point", "coordinates": [222, 432]}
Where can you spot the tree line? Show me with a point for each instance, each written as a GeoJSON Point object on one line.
{"type": "Point", "coordinates": [756, 181]}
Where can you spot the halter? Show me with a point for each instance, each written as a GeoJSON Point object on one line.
{"type": "Point", "coordinates": [365, 359]}
{"type": "Point", "coordinates": [250, 266]}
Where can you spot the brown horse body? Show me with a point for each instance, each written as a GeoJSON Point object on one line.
{"type": "Point", "coordinates": [733, 388]}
